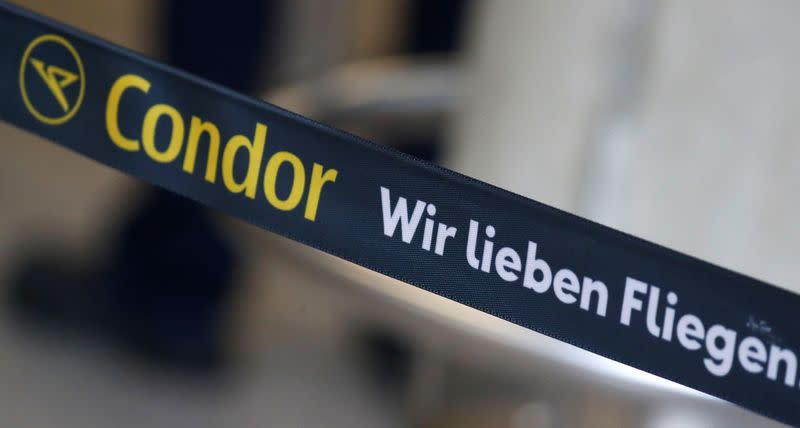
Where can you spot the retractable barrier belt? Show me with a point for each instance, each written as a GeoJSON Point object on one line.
{"type": "Point", "coordinates": [635, 302]}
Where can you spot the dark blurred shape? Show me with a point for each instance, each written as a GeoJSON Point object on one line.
{"type": "Point", "coordinates": [388, 357]}
{"type": "Point", "coordinates": [219, 41]}
{"type": "Point", "coordinates": [48, 289]}
{"type": "Point", "coordinates": [171, 280]}
{"type": "Point", "coordinates": [435, 26]}
{"type": "Point", "coordinates": [427, 147]}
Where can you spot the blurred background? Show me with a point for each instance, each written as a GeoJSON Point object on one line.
{"type": "Point", "coordinates": [670, 120]}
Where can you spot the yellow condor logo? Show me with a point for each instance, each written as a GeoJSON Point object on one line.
{"type": "Point", "coordinates": [51, 99]}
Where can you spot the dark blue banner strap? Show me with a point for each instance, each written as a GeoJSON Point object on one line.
{"type": "Point", "coordinates": [601, 290]}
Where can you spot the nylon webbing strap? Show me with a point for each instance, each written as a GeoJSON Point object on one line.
{"type": "Point", "coordinates": [615, 295]}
